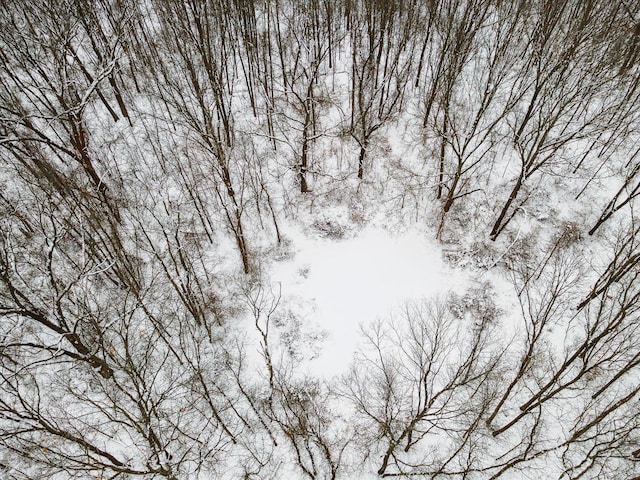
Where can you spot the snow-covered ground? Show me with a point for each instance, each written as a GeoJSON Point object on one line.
{"type": "Point", "coordinates": [340, 285]}
{"type": "Point", "coordinates": [191, 289]}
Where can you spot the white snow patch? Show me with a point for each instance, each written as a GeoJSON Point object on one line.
{"type": "Point", "coordinates": [353, 282]}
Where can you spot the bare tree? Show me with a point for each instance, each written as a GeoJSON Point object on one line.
{"type": "Point", "coordinates": [561, 101]}
{"type": "Point", "coordinates": [304, 53]}
{"type": "Point", "coordinates": [422, 380]}
{"type": "Point", "coordinates": [545, 288]}
{"type": "Point", "coordinates": [46, 93]}
{"type": "Point", "coordinates": [380, 64]}
{"type": "Point", "coordinates": [197, 34]}
{"type": "Point", "coordinates": [604, 342]}
{"type": "Point", "coordinates": [625, 195]}
{"type": "Point", "coordinates": [466, 92]}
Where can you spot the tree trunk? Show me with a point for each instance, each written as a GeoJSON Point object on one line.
{"type": "Point", "coordinates": [363, 151]}
{"type": "Point", "coordinates": [499, 225]}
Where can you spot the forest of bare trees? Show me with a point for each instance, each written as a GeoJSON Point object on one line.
{"type": "Point", "coordinates": [153, 155]}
